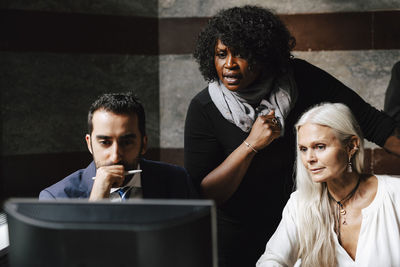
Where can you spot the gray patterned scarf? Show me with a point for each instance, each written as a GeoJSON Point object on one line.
{"type": "Point", "coordinates": [279, 94]}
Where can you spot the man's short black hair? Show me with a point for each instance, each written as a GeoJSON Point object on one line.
{"type": "Point", "coordinates": [119, 103]}
{"type": "Point", "coordinates": [254, 33]}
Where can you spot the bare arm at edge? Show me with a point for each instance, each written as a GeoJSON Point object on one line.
{"type": "Point", "coordinates": [392, 144]}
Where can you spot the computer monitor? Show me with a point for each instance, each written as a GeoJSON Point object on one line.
{"type": "Point", "coordinates": [142, 233]}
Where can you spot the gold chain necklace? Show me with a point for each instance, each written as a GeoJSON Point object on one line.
{"type": "Point", "coordinates": [340, 209]}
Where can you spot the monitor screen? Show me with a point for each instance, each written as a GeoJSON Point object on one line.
{"type": "Point", "coordinates": [138, 232]}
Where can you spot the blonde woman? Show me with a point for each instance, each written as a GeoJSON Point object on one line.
{"type": "Point", "coordinates": [337, 216]}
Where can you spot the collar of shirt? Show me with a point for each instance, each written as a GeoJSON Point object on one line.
{"type": "Point", "coordinates": [136, 181]}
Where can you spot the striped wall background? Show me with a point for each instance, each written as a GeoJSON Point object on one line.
{"type": "Point", "coordinates": [57, 56]}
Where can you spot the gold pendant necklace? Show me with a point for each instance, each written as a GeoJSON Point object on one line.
{"type": "Point", "coordinates": [340, 209]}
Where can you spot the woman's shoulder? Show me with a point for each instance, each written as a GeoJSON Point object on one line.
{"type": "Point", "coordinates": [202, 97]}
{"type": "Point", "coordinates": [202, 103]}
{"type": "Point", "coordinates": [302, 69]}
{"type": "Point", "coordinates": [292, 204]}
{"type": "Point", "coordinates": [301, 64]}
{"type": "Point", "coordinates": [391, 184]}
{"type": "Point", "coordinates": [393, 180]}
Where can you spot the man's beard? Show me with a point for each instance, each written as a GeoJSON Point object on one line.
{"type": "Point", "coordinates": [127, 166]}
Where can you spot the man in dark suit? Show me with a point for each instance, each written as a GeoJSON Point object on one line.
{"type": "Point", "coordinates": [117, 140]}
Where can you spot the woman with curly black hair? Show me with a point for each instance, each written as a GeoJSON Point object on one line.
{"type": "Point", "coordinates": [239, 131]}
{"type": "Point", "coordinates": [262, 39]}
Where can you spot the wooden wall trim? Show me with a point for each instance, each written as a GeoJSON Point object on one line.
{"type": "Point", "coordinates": [23, 30]}
{"type": "Point", "coordinates": [313, 32]}
{"type": "Point", "coordinates": [39, 31]}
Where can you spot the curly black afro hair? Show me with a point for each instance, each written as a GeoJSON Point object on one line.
{"type": "Point", "coordinates": [254, 33]}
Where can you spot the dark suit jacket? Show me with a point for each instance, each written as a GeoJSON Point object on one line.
{"type": "Point", "coordinates": [159, 180]}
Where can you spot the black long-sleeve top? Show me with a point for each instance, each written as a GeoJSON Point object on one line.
{"type": "Point", "coordinates": [392, 96]}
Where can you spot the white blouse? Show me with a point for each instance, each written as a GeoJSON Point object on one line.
{"type": "Point", "coordinates": [378, 242]}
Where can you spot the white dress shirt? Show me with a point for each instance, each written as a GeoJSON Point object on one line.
{"type": "Point", "coordinates": [135, 182]}
{"type": "Point", "coordinates": [378, 241]}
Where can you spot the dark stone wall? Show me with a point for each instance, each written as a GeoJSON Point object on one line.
{"type": "Point", "coordinates": [46, 96]}
{"type": "Point", "coordinates": [56, 57]}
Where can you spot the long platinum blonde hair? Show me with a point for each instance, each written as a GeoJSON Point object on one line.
{"type": "Point", "coordinates": [316, 221]}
